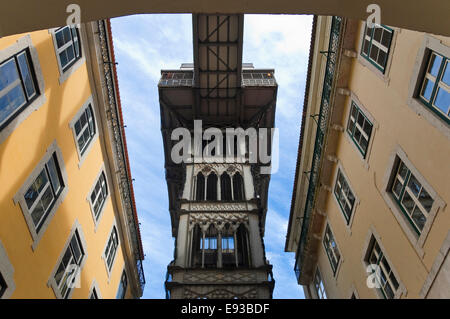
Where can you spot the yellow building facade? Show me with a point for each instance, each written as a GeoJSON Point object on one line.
{"type": "Point", "coordinates": [369, 214]}
{"type": "Point", "coordinates": [68, 222]}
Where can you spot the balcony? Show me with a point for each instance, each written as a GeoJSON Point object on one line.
{"type": "Point", "coordinates": [185, 78]}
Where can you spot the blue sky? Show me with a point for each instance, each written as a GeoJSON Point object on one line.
{"type": "Point", "coordinates": [145, 44]}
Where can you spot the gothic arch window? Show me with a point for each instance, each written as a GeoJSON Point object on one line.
{"type": "Point", "coordinates": [225, 187]}
{"type": "Point", "coordinates": [210, 247]}
{"type": "Point", "coordinates": [242, 246]}
{"type": "Point", "coordinates": [211, 187]}
{"type": "Point", "coordinates": [200, 187]}
{"type": "Point", "coordinates": [238, 187]}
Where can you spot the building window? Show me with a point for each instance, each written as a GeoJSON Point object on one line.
{"type": "Point", "coordinates": [359, 128]}
{"type": "Point", "coordinates": [111, 248]}
{"type": "Point", "coordinates": [121, 292]}
{"type": "Point", "coordinates": [200, 187]}
{"type": "Point", "coordinates": [228, 245]}
{"type": "Point", "coordinates": [238, 187]}
{"type": "Point", "coordinates": [376, 45]}
{"type": "Point", "coordinates": [387, 283]}
{"type": "Point", "coordinates": [69, 266]}
{"type": "Point", "coordinates": [318, 284]}
{"type": "Point", "coordinates": [99, 195]}
{"type": "Point", "coordinates": [85, 129]}
{"type": "Point", "coordinates": [68, 46]}
{"type": "Point", "coordinates": [225, 187]}
{"type": "Point", "coordinates": [435, 88]}
{"type": "Point", "coordinates": [344, 196]}
{"type": "Point", "coordinates": [18, 86]}
{"type": "Point", "coordinates": [331, 249]}
{"type": "Point", "coordinates": [413, 199]}
{"type": "Point", "coordinates": [211, 187]}
{"type": "Point", "coordinates": [44, 191]}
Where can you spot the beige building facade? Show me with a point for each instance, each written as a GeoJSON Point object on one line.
{"type": "Point", "coordinates": [369, 215]}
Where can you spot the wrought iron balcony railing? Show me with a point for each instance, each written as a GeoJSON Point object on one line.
{"type": "Point", "coordinates": [180, 78]}
{"type": "Point", "coordinates": [322, 125]}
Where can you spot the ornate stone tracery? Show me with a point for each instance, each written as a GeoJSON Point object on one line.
{"type": "Point", "coordinates": [219, 220]}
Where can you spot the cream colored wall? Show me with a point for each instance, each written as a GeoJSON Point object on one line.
{"type": "Point", "coordinates": [20, 153]}
{"type": "Point", "coordinates": [426, 147]}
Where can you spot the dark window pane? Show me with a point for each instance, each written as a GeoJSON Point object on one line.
{"type": "Point", "coordinates": [70, 54]}
{"type": "Point", "coordinates": [54, 176]}
{"type": "Point", "coordinates": [34, 190]}
{"type": "Point", "coordinates": [397, 188]}
{"type": "Point", "coordinates": [76, 249]}
{"type": "Point", "coordinates": [419, 218]}
{"type": "Point", "coordinates": [26, 74]}
{"type": "Point", "coordinates": [77, 127]}
{"type": "Point", "coordinates": [386, 40]}
{"type": "Point", "coordinates": [367, 128]}
{"type": "Point", "coordinates": [382, 58]}
{"type": "Point", "coordinates": [374, 52]}
{"type": "Point", "coordinates": [394, 281]}
{"type": "Point", "coordinates": [59, 273]}
{"type": "Point", "coordinates": [366, 47]}
{"type": "Point", "coordinates": [47, 198]}
{"type": "Point", "coordinates": [408, 202]}
{"type": "Point", "coordinates": [403, 171]}
{"type": "Point", "coordinates": [59, 39]}
{"type": "Point", "coordinates": [414, 185]}
{"type": "Point", "coordinates": [425, 200]}
{"type": "Point", "coordinates": [388, 291]}
{"type": "Point", "coordinates": [357, 135]}
{"type": "Point", "coordinates": [363, 143]}
{"type": "Point", "coordinates": [67, 35]}
{"type": "Point", "coordinates": [63, 58]}
{"type": "Point", "coordinates": [377, 34]}
{"type": "Point", "coordinates": [37, 213]}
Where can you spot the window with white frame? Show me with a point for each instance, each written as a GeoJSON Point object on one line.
{"type": "Point", "coordinates": [359, 128]}
{"type": "Point", "coordinates": [318, 284]}
{"type": "Point", "coordinates": [85, 129]}
{"type": "Point", "coordinates": [121, 292]}
{"type": "Point", "coordinates": [68, 46]}
{"type": "Point", "coordinates": [69, 266]}
{"type": "Point", "coordinates": [435, 88]}
{"type": "Point", "coordinates": [386, 281]}
{"type": "Point", "coordinates": [18, 86]}
{"type": "Point", "coordinates": [344, 196]}
{"type": "Point", "coordinates": [331, 249]}
{"type": "Point", "coordinates": [99, 195]}
{"type": "Point", "coordinates": [111, 248]}
{"type": "Point", "coordinates": [411, 196]}
{"type": "Point", "coordinates": [376, 45]}
{"type": "Point", "coordinates": [44, 191]}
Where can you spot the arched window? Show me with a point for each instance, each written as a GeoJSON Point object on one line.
{"type": "Point", "coordinates": [200, 187]}
{"type": "Point", "coordinates": [225, 187]}
{"type": "Point", "coordinates": [238, 187]}
{"type": "Point", "coordinates": [211, 185]}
